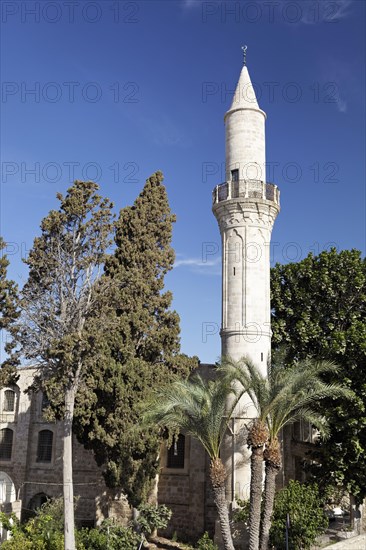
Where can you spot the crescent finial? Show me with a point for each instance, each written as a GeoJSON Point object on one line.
{"type": "Point", "coordinates": [244, 48]}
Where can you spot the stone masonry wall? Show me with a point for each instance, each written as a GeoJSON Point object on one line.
{"type": "Point", "coordinates": [184, 491]}
{"type": "Point", "coordinates": [34, 480]}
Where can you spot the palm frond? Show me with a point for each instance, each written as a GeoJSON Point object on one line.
{"type": "Point", "coordinates": [289, 393]}
{"type": "Point", "coordinates": [197, 407]}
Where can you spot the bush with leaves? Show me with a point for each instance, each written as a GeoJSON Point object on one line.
{"type": "Point", "coordinates": [42, 532]}
{"type": "Point", "coordinates": [153, 517]}
{"type": "Point", "coordinates": [18, 539]}
{"type": "Point", "coordinates": [110, 535]}
{"type": "Point", "coordinates": [304, 506]}
{"type": "Point", "coordinates": [205, 543]}
{"type": "Point", "coordinates": [45, 532]}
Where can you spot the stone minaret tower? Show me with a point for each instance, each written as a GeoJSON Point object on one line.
{"type": "Point", "coordinates": [245, 206]}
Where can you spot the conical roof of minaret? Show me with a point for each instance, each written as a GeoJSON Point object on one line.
{"type": "Point", "coordinates": [244, 96]}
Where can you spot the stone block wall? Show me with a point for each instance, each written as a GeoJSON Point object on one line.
{"type": "Point", "coordinates": [185, 492]}
{"type": "Point", "coordinates": [33, 480]}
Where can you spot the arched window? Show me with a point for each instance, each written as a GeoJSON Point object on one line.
{"type": "Point", "coordinates": [44, 449]}
{"type": "Point", "coordinates": [6, 443]}
{"type": "Point", "coordinates": [176, 452]}
{"type": "Point", "coordinates": [9, 401]}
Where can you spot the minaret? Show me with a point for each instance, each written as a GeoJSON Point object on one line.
{"type": "Point", "coordinates": [245, 206]}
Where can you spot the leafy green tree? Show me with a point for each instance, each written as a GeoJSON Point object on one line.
{"type": "Point", "coordinates": [138, 348]}
{"type": "Point", "coordinates": [305, 509]}
{"type": "Point", "coordinates": [319, 311]}
{"type": "Point", "coordinates": [56, 303]}
{"type": "Point", "coordinates": [285, 395]}
{"type": "Point", "coordinates": [9, 313]}
{"type": "Point", "coordinates": [200, 408]}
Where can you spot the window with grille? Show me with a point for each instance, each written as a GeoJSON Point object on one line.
{"type": "Point", "coordinates": [9, 401]}
{"type": "Point", "coordinates": [6, 443]}
{"type": "Point", "coordinates": [44, 449]}
{"type": "Point", "coordinates": [176, 453]}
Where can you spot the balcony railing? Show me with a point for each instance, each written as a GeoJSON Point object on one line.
{"type": "Point", "coordinates": [246, 189]}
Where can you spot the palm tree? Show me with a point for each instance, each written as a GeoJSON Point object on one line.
{"type": "Point", "coordinates": [286, 395]}
{"type": "Point", "coordinates": [255, 384]}
{"type": "Point", "coordinates": [295, 394]}
{"type": "Point", "coordinates": [200, 409]}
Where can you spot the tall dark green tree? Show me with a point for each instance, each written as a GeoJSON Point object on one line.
{"type": "Point", "coordinates": [319, 311]}
{"type": "Point", "coordinates": [138, 349]}
{"type": "Point", "coordinates": [9, 313]}
{"type": "Point", "coordinates": [57, 301]}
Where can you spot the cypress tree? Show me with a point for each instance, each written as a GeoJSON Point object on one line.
{"type": "Point", "coordinates": [9, 313]}
{"type": "Point", "coordinates": [138, 347]}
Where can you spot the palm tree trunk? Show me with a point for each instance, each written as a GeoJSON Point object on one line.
{"type": "Point", "coordinates": [255, 496]}
{"type": "Point", "coordinates": [68, 488]}
{"type": "Point", "coordinates": [218, 476]}
{"type": "Point", "coordinates": [269, 494]}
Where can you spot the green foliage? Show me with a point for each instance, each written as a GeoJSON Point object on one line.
{"type": "Point", "coordinates": [242, 512]}
{"type": "Point", "coordinates": [9, 313]}
{"type": "Point", "coordinates": [43, 532]}
{"type": "Point", "coordinates": [110, 536]}
{"type": "Point", "coordinates": [18, 539]}
{"type": "Point", "coordinates": [307, 520]}
{"type": "Point", "coordinates": [199, 408]}
{"type": "Point", "coordinates": [285, 394]}
{"type": "Point", "coordinates": [92, 539]}
{"type": "Point", "coordinates": [8, 292]}
{"type": "Point", "coordinates": [60, 294]}
{"type": "Point", "coordinates": [281, 397]}
{"type": "Point", "coordinates": [196, 406]}
{"type": "Point", "coordinates": [138, 348]}
{"type": "Point", "coordinates": [319, 310]}
{"type": "Point", "coordinates": [153, 517]}
{"type": "Point", "coordinates": [205, 543]}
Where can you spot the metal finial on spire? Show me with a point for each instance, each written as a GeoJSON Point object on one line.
{"type": "Point", "coordinates": [244, 48]}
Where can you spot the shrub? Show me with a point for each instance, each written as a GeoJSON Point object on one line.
{"type": "Point", "coordinates": [109, 535]}
{"type": "Point", "coordinates": [153, 517]}
{"type": "Point", "coordinates": [205, 543]}
{"type": "Point", "coordinates": [45, 532]}
{"type": "Point", "coordinates": [307, 520]}
{"type": "Point", "coordinates": [93, 539]}
{"type": "Point", "coordinates": [18, 539]}
{"type": "Point", "coordinates": [40, 533]}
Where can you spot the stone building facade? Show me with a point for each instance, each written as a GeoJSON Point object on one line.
{"type": "Point", "coordinates": [31, 460]}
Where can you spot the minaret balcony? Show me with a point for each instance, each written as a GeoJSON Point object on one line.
{"type": "Point", "coordinates": [246, 189]}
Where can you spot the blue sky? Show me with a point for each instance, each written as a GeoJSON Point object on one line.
{"type": "Point", "coordinates": [121, 89]}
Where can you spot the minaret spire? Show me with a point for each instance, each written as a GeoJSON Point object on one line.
{"type": "Point", "coordinates": [245, 206]}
